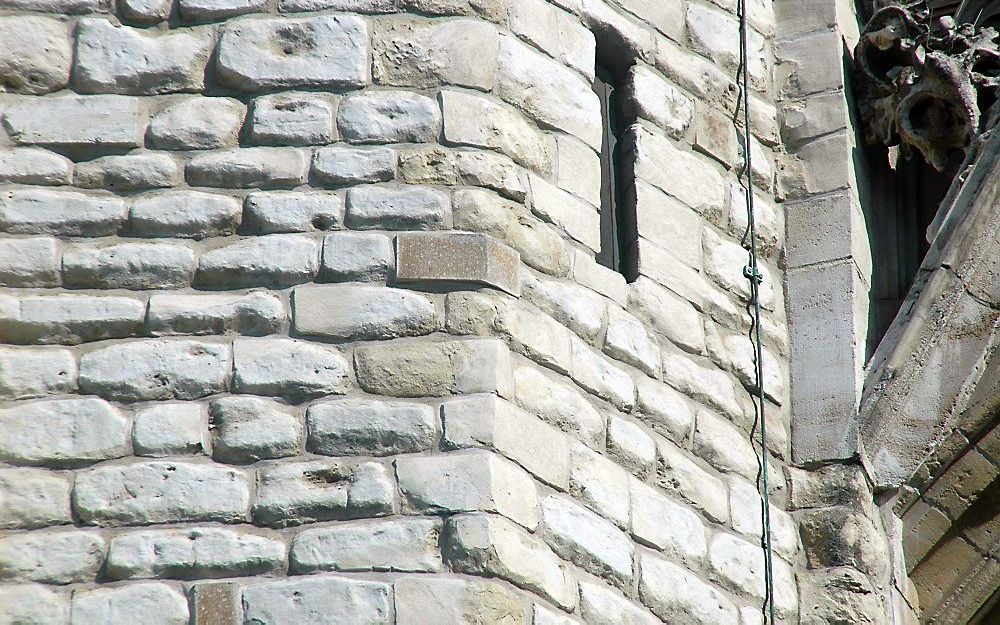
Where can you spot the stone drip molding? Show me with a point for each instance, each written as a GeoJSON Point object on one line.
{"type": "Point", "coordinates": [925, 90]}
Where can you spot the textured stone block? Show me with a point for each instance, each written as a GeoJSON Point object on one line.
{"type": "Point", "coordinates": [559, 404]}
{"type": "Point", "coordinates": [679, 474]}
{"type": "Point", "coordinates": [33, 498]}
{"type": "Point", "coordinates": [34, 166]}
{"type": "Point", "coordinates": [316, 600]}
{"type": "Point", "coordinates": [578, 169]}
{"type": "Point", "coordinates": [63, 432]}
{"type": "Point", "coordinates": [388, 117]}
{"type": "Point", "coordinates": [674, 594]}
{"type": "Point", "coordinates": [423, 598]}
{"type": "Point", "coordinates": [129, 266]}
{"type": "Point", "coordinates": [36, 372]}
{"type": "Point", "coordinates": [548, 91]}
{"type": "Point", "coordinates": [681, 174]}
{"type": "Point", "coordinates": [600, 377]}
{"type": "Point", "coordinates": [363, 427]}
{"type": "Point", "coordinates": [324, 51]}
{"type": "Point", "coordinates": [170, 430]}
{"type": "Point", "coordinates": [296, 493]}
{"type": "Point", "coordinates": [574, 217]}
{"type": "Point", "coordinates": [723, 446]}
{"type": "Point", "coordinates": [627, 340]}
{"type": "Point", "coordinates": [204, 10]}
{"type": "Point", "coordinates": [145, 493]}
{"type": "Point", "coordinates": [33, 603]}
{"type": "Point", "coordinates": [455, 257]}
{"type": "Point", "coordinates": [119, 59]}
{"type": "Point", "coordinates": [36, 55]}
{"type": "Point", "coordinates": [740, 566]}
{"type": "Point", "coordinates": [248, 168]}
{"type": "Point", "coordinates": [292, 211]}
{"type": "Point", "coordinates": [40, 211]}
{"type": "Point", "coordinates": [490, 422]}
{"type": "Point", "coordinates": [197, 123]}
{"type": "Point", "coordinates": [665, 524]}
{"type": "Point", "coordinates": [603, 606]}
{"type": "Point", "coordinates": [344, 165]}
{"type": "Point", "coordinates": [416, 369]}
{"type": "Point", "coordinates": [356, 256]}
{"type": "Point", "coordinates": [391, 545]}
{"type": "Point", "coordinates": [397, 208]}
{"type": "Point", "coordinates": [352, 311]}
{"type": "Point", "coordinates": [69, 319]}
{"type": "Point", "coordinates": [429, 53]}
{"type": "Point", "coordinates": [288, 368]}
{"type": "Point", "coordinates": [155, 369]}
{"type": "Point", "coordinates": [293, 119]}
{"type": "Point", "coordinates": [704, 384]}
{"type": "Point", "coordinates": [630, 445]}
{"type": "Point", "coordinates": [155, 604]}
{"type": "Point", "coordinates": [256, 313]}
{"type": "Point", "coordinates": [539, 245]}
{"type": "Point", "coordinates": [133, 172]}
{"type": "Point", "coordinates": [110, 121]}
{"type": "Point", "coordinates": [481, 122]}
{"type": "Point", "coordinates": [145, 11]}
{"type": "Point", "coordinates": [275, 261]}
{"type": "Point", "coordinates": [192, 553]}
{"type": "Point", "coordinates": [669, 224]}
{"type": "Point", "coordinates": [488, 545]}
{"type": "Point", "coordinates": [579, 309]}
{"type": "Point", "coordinates": [587, 540]}
{"type": "Point", "coordinates": [600, 484]}
{"type": "Point", "coordinates": [248, 429]}
{"type": "Point", "coordinates": [667, 314]}
{"type": "Point", "coordinates": [184, 214]}
{"type": "Point", "coordinates": [51, 557]}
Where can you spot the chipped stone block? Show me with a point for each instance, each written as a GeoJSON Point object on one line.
{"type": "Point", "coordinates": [292, 211]}
{"type": "Point", "coordinates": [388, 117]}
{"type": "Point", "coordinates": [337, 599]}
{"type": "Point", "coordinates": [390, 545]}
{"type": "Point", "coordinates": [665, 524]}
{"type": "Point", "coordinates": [356, 256]}
{"type": "Point", "coordinates": [420, 369]}
{"type": "Point", "coordinates": [36, 54]}
{"type": "Point", "coordinates": [365, 427]}
{"type": "Point", "coordinates": [456, 258]}
{"type": "Point", "coordinates": [428, 53]}
{"type": "Point", "coordinates": [152, 603]}
{"type": "Point", "coordinates": [197, 123]}
{"type": "Point", "coordinates": [664, 409]}
{"type": "Point", "coordinates": [193, 553]}
{"type": "Point", "coordinates": [129, 266]}
{"type": "Point", "coordinates": [575, 217]}
{"type": "Point", "coordinates": [34, 166]}
{"type": "Point", "coordinates": [184, 214]}
{"type": "Point", "coordinates": [288, 368]}
{"type": "Point", "coordinates": [397, 208]}
{"type": "Point", "coordinates": [63, 432]}
{"type": "Point", "coordinates": [248, 429]}
{"type": "Point", "coordinates": [110, 121]}
{"type": "Point", "coordinates": [600, 604]}
{"type": "Point", "coordinates": [362, 312]}
{"type": "Point", "coordinates": [560, 404]}
{"type": "Point", "coordinates": [587, 540]}
{"type": "Point", "coordinates": [423, 598]}
{"type": "Point", "coordinates": [251, 168]}
{"type": "Point", "coordinates": [600, 377]}
{"type": "Point", "coordinates": [170, 430]}
{"type": "Point", "coordinates": [120, 59]}
{"type": "Point", "coordinates": [674, 594]}
{"type": "Point", "coordinates": [255, 314]}
{"type": "Point", "coordinates": [723, 446]}
{"type": "Point", "coordinates": [133, 172]}
{"type": "Point", "coordinates": [679, 474]}
{"type": "Point", "coordinates": [630, 445]}
{"type": "Point", "coordinates": [145, 11]}
{"type": "Point", "coordinates": [294, 493]}
{"type": "Point", "coordinates": [33, 498]}
{"type": "Point", "coordinates": [67, 213]}
{"type": "Point", "coordinates": [205, 10]}
{"type": "Point", "coordinates": [346, 165]}
{"type": "Point", "coordinates": [160, 492]}
{"type": "Point", "coordinates": [275, 260]}
{"type": "Point", "coordinates": [69, 319]}
{"type": "Point", "coordinates": [155, 369]}
{"type": "Point", "coordinates": [293, 119]}
{"type": "Point", "coordinates": [599, 483]}
{"type": "Point", "coordinates": [52, 557]}
{"type": "Point", "coordinates": [268, 53]}
{"type": "Point", "coordinates": [35, 372]}
{"type": "Point", "coordinates": [627, 340]}
{"type": "Point", "coordinates": [33, 603]}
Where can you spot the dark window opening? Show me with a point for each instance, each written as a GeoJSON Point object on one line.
{"type": "Point", "coordinates": [619, 234]}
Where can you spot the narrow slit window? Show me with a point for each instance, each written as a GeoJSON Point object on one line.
{"type": "Point", "coordinates": [618, 231]}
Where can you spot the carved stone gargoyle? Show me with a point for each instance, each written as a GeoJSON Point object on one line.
{"type": "Point", "coordinates": [932, 91]}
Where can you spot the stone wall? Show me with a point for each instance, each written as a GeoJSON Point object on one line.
{"type": "Point", "coordinates": [302, 320]}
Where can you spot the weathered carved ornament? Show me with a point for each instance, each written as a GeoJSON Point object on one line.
{"type": "Point", "coordinates": [933, 91]}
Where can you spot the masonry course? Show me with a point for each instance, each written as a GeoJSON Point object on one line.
{"type": "Point", "coordinates": [303, 322]}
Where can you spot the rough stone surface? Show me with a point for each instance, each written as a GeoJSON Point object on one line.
{"type": "Point", "coordinates": [248, 168]}
{"type": "Point", "coordinates": [312, 601]}
{"type": "Point", "coordinates": [136, 266]}
{"type": "Point", "coordinates": [370, 428]}
{"type": "Point", "coordinates": [460, 601]}
{"type": "Point", "coordinates": [344, 165]}
{"type": "Point", "coordinates": [135, 172]}
{"type": "Point", "coordinates": [426, 54]}
{"type": "Point", "coordinates": [448, 258]}
{"type": "Point", "coordinates": [34, 166]}
{"type": "Point", "coordinates": [196, 124]}
{"type": "Point", "coordinates": [256, 313]}
{"type": "Point", "coordinates": [356, 256]}
{"type": "Point", "coordinates": [588, 540]}
{"type": "Point", "coordinates": [184, 214]}
{"type": "Point", "coordinates": [675, 594]}
{"type": "Point", "coordinates": [63, 432]}
{"type": "Point", "coordinates": [325, 51]}
{"type": "Point", "coordinates": [156, 369]}
{"type": "Point", "coordinates": [33, 603]}
{"type": "Point", "coordinates": [289, 368]}
{"type": "Point", "coordinates": [390, 208]}
{"type": "Point", "coordinates": [33, 372]}
{"type": "Point", "coordinates": [153, 603]}
{"type": "Point", "coordinates": [397, 545]}
{"type": "Point", "coordinates": [248, 429]}
{"type": "Point", "coordinates": [292, 119]}
{"type": "Point", "coordinates": [175, 429]}
{"type": "Point", "coordinates": [160, 492]}
{"type": "Point", "coordinates": [289, 211]}
{"type": "Point", "coordinates": [192, 554]}
{"type": "Point", "coordinates": [110, 121]}
{"type": "Point", "coordinates": [51, 557]}
{"type": "Point", "coordinates": [39, 211]}
{"type": "Point", "coordinates": [36, 54]}
{"type": "Point", "coordinates": [388, 117]}
{"type": "Point", "coordinates": [362, 312]}
{"type": "Point", "coordinates": [68, 319]}
{"type": "Point", "coordinates": [276, 260]}
{"type": "Point", "coordinates": [33, 498]}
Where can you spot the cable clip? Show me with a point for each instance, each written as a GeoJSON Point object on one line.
{"type": "Point", "coordinates": [753, 274]}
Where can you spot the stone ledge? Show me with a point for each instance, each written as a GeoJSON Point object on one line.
{"type": "Point", "coordinates": [456, 258]}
